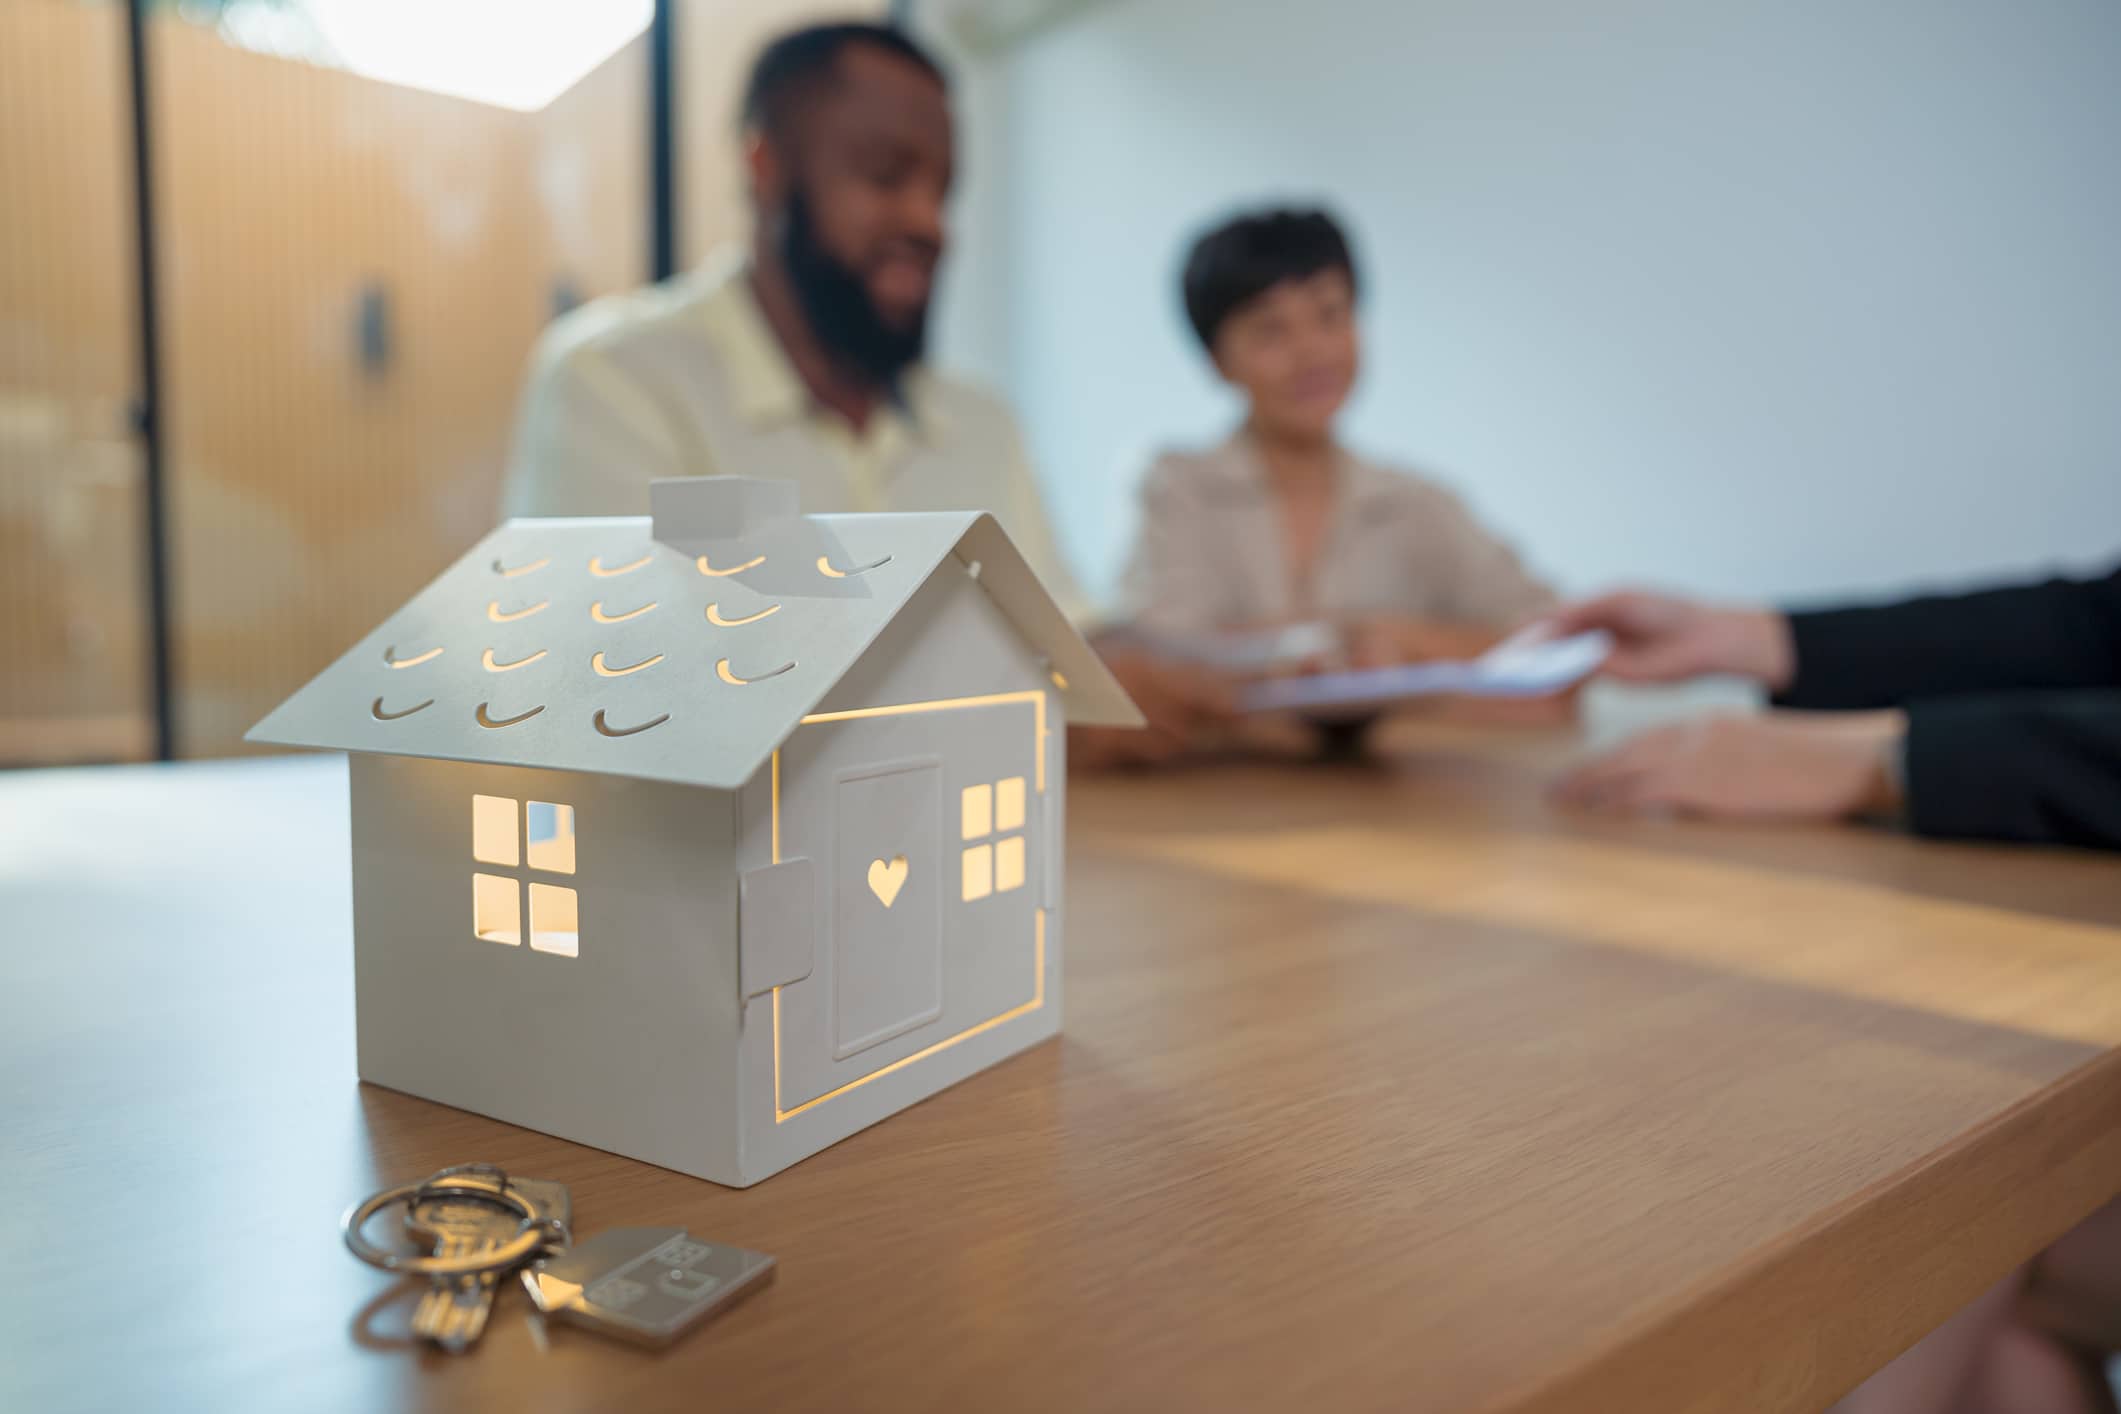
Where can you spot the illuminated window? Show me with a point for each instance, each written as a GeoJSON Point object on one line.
{"type": "Point", "coordinates": [552, 920]}
{"type": "Point", "coordinates": [551, 837]}
{"type": "Point", "coordinates": [978, 811]}
{"type": "Point", "coordinates": [501, 828]}
{"type": "Point", "coordinates": [496, 909]}
{"type": "Point", "coordinates": [1009, 864]}
{"type": "Point", "coordinates": [493, 830]}
{"type": "Point", "coordinates": [979, 872]}
{"type": "Point", "coordinates": [1009, 804]}
{"type": "Point", "coordinates": [989, 809]}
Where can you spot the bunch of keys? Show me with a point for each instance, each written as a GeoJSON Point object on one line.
{"type": "Point", "coordinates": [648, 1285]}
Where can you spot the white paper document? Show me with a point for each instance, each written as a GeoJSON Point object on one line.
{"type": "Point", "coordinates": [1523, 666]}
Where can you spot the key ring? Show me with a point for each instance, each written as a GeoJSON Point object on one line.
{"type": "Point", "coordinates": [537, 1231]}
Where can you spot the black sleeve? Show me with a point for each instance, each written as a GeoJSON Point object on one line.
{"type": "Point", "coordinates": [2039, 767]}
{"type": "Point", "coordinates": [2061, 634]}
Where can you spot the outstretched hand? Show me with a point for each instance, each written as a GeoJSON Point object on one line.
{"type": "Point", "coordinates": [1781, 765]}
{"type": "Point", "coordinates": [1662, 638]}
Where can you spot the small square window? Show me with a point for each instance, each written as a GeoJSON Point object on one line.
{"type": "Point", "coordinates": [496, 909]}
{"type": "Point", "coordinates": [979, 872]}
{"type": "Point", "coordinates": [1009, 804]}
{"type": "Point", "coordinates": [551, 836]}
{"type": "Point", "coordinates": [978, 811]}
{"type": "Point", "coordinates": [553, 924]}
{"type": "Point", "coordinates": [1008, 864]}
{"type": "Point", "coordinates": [493, 830]}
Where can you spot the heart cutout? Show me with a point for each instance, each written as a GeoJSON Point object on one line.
{"type": "Point", "coordinates": [885, 880]}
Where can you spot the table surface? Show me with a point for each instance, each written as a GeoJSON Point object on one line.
{"type": "Point", "coordinates": [1383, 1086]}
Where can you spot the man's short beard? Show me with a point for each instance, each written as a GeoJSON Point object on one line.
{"type": "Point", "coordinates": [836, 304]}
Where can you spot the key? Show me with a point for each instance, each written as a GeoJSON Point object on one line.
{"type": "Point", "coordinates": [648, 1285]}
{"type": "Point", "coordinates": [453, 1312]}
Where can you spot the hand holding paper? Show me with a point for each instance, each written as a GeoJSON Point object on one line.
{"type": "Point", "coordinates": [1660, 638]}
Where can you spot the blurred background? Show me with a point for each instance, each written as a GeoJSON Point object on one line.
{"type": "Point", "coordinates": [1783, 299]}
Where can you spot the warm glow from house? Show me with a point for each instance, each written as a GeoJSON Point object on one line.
{"type": "Point", "coordinates": [1009, 864]}
{"type": "Point", "coordinates": [551, 830]}
{"type": "Point", "coordinates": [495, 909]}
{"type": "Point", "coordinates": [712, 573]}
{"type": "Point", "coordinates": [714, 616]}
{"type": "Point", "coordinates": [1038, 999]}
{"type": "Point", "coordinates": [554, 926]}
{"type": "Point", "coordinates": [605, 670]}
{"type": "Point", "coordinates": [978, 873]}
{"type": "Point", "coordinates": [1004, 870]}
{"type": "Point", "coordinates": [598, 568]}
{"type": "Point", "coordinates": [1009, 803]}
{"type": "Point", "coordinates": [500, 826]}
{"type": "Point", "coordinates": [506, 572]}
{"type": "Point", "coordinates": [493, 830]}
{"type": "Point", "coordinates": [824, 567]}
{"type": "Point", "coordinates": [976, 811]}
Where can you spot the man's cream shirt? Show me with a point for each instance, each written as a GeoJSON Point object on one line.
{"type": "Point", "coordinates": [687, 379]}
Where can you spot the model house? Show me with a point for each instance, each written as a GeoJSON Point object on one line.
{"type": "Point", "coordinates": [712, 836]}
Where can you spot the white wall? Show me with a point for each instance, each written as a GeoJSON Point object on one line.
{"type": "Point", "coordinates": [1757, 297]}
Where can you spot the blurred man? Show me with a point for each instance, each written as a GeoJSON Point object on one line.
{"type": "Point", "coordinates": [1992, 715]}
{"type": "Point", "coordinates": [800, 358]}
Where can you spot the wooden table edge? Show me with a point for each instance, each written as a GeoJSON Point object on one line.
{"type": "Point", "coordinates": [2002, 1191]}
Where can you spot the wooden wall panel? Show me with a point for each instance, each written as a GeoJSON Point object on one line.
{"type": "Point", "coordinates": [73, 681]}
{"type": "Point", "coordinates": [311, 493]}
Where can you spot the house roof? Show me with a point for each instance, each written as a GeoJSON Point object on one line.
{"type": "Point", "coordinates": [683, 646]}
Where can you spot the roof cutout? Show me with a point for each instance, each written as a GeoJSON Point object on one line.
{"type": "Point", "coordinates": [722, 671]}
{"type": "Point", "coordinates": [609, 730]}
{"type": "Point", "coordinates": [605, 670]}
{"type": "Point", "coordinates": [714, 616]}
{"type": "Point", "coordinates": [824, 567]}
{"type": "Point", "coordinates": [712, 573]}
{"type": "Point", "coordinates": [377, 710]}
{"type": "Point", "coordinates": [596, 567]}
{"type": "Point", "coordinates": [486, 719]}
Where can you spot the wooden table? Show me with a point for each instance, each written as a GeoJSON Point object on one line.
{"type": "Point", "coordinates": [1382, 1088]}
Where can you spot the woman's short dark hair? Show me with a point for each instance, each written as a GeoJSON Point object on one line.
{"type": "Point", "coordinates": [1251, 253]}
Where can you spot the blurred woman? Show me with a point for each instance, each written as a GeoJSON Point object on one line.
{"type": "Point", "coordinates": [1281, 523]}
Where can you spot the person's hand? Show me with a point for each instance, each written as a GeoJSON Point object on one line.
{"type": "Point", "coordinates": [1781, 765]}
{"type": "Point", "coordinates": [1659, 638]}
{"type": "Point", "coordinates": [1180, 700]}
{"type": "Point", "coordinates": [1390, 642]}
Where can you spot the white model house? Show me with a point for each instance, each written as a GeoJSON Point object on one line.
{"type": "Point", "coordinates": [713, 836]}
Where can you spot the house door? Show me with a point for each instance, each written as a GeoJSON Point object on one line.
{"type": "Point", "coordinates": [927, 826]}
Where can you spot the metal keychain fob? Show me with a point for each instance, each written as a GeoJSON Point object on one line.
{"type": "Point", "coordinates": [649, 1285]}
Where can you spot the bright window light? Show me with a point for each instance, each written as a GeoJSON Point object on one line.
{"type": "Point", "coordinates": [511, 53]}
